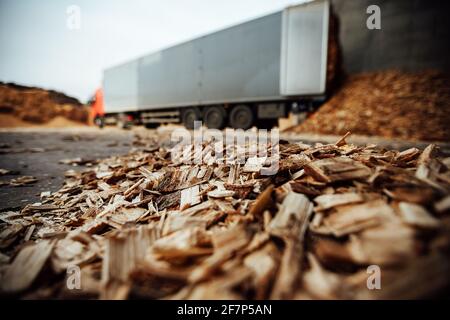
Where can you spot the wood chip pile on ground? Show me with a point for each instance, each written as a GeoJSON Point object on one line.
{"type": "Point", "coordinates": [390, 104]}
{"type": "Point", "coordinates": [144, 226]}
{"type": "Point", "coordinates": [37, 105]}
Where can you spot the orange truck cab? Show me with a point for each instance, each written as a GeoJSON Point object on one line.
{"type": "Point", "coordinates": [98, 108]}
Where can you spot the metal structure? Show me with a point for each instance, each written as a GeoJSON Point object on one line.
{"type": "Point", "coordinates": [256, 69]}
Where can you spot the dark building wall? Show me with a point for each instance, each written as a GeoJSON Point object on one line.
{"type": "Point", "coordinates": [414, 35]}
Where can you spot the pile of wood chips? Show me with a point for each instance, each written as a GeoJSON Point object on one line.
{"type": "Point", "coordinates": [36, 105]}
{"type": "Point", "coordinates": [390, 104]}
{"type": "Point", "coordinates": [144, 226]}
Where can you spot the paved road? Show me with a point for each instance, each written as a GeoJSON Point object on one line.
{"type": "Point", "coordinates": [37, 152]}
{"type": "Point", "coordinates": [22, 152]}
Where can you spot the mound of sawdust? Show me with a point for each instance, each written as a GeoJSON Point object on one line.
{"type": "Point", "coordinates": [39, 106]}
{"type": "Point", "coordinates": [11, 121]}
{"type": "Point", "coordinates": [390, 104]}
{"type": "Point", "coordinates": [61, 122]}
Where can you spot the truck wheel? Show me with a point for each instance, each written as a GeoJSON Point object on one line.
{"type": "Point", "coordinates": [189, 115]}
{"type": "Point", "coordinates": [214, 117]}
{"type": "Point", "coordinates": [99, 122]}
{"type": "Point", "coordinates": [123, 122]}
{"type": "Point", "coordinates": [242, 117]}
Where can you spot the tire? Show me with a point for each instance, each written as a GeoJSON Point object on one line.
{"type": "Point", "coordinates": [99, 122]}
{"type": "Point", "coordinates": [241, 117]}
{"type": "Point", "coordinates": [123, 122]}
{"type": "Point", "coordinates": [188, 116]}
{"type": "Point", "coordinates": [267, 123]}
{"type": "Point", "coordinates": [215, 117]}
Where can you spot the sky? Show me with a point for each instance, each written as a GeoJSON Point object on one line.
{"type": "Point", "coordinates": [65, 45]}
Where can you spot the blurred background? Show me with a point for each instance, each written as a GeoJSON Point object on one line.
{"type": "Point", "coordinates": [384, 82]}
{"type": "Point", "coordinates": [41, 48]}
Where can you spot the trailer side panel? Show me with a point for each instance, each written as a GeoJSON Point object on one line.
{"type": "Point", "coordinates": [281, 56]}
{"type": "Point", "coordinates": [120, 87]}
{"type": "Point", "coordinates": [238, 63]}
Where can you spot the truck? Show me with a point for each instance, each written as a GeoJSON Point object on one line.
{"type": "Point", "coordinates": [249, 74]}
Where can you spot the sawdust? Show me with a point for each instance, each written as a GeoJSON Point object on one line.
{"type": "Point", "coordinates": [38, 106]}
{"type": "Point", "coordinates": [11, 121]}
{"type": "Point", "coordinates": [390, 104]}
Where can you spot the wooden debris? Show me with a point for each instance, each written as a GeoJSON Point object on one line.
{"type": "Point", "coordinates": [442, 205]}
{"type": "Point", "coordinates": [328, 201]}
{"type": "Point", "coordinates": [355, 218]}
{"type": "Point", "coordinates": [148, 225]}
{"type": "Point", "coordinates": [387, 103]}
{"type": "Point", "coordinates": [262, 202]}
{"type": "Point", "coordinates": [122, 254]}
{"type": "Point", "coordinates": [77, 161]}
{"type": "Point", "coordinates": [21, 181]}
{"type": "Point", "coordinates": [26, 267]}
{"type": "Point", "coordinates": [264, 264]}
{"type": "Point", "coordinates": [423, 277]}
{"type": "Point", "coordinates": [342, 141]}
{"type": "Point", "coordinates": [225, 244]}
{"type": "Point", "coordinates": [417, 216]}
{"type": "Point", "coordinates": [291, 222]}
{"type": "Point", "coordinates": [190, 197]}
{"type": "Point", "coordinates": [337, 169]}
{"type": "Point", "coordinates": [183, 243]}
{"type": "Point", "coordinates": [293, 216]}
{"type": "Point", "coordinates": [70, 252]}
{"type": "Point", "coordinates": [321, 283]}
{"type": "Point", "coordinates": [391, 244]}
{"type": "Point", "coordinates": [126, 215]}
{"type": "Point", "coordinates": [4, 171]}
{"type": "Point", "coordinates": [221, 194]}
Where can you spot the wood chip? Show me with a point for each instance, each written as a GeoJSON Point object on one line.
{"type": "Point", "coordinates": [190, 197]}
{"type": "Point", "coordinates": [337, 169]}
{"type": "Point", "coordinates": [328, 201]}
{"type": "Point", "coordinates": [417, 216]}
{"type": "Point", "coordinates": [26, 267]}
{"type": "Point", "coordinates": [221, 194]}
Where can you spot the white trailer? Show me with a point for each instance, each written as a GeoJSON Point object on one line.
{"type": "Point", "coordinates": [251, 73]}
